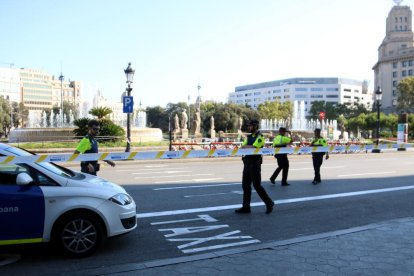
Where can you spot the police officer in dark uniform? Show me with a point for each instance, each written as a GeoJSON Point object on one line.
{"type": "Point", "coordinates": [317, 157]}
{"type": "Point", "coordinates": [88, 144]}
{"type": "Point", "coordinates": [252, 170]}
{"type": "Point", "coordinates": [281, 141]}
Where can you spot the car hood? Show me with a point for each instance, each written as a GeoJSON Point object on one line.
{"type": "Point", "coordinates": [93, 182]}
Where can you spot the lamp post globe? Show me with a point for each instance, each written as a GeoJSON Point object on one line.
{"type": "Point", "coordinates": [378, 97]}
{"type": "Point", "coordinates": [129, 73]}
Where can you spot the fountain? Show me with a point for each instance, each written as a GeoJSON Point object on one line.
{"type": "Point", "coordinates": [38, 130]}
{"type": "Point", "coordinates": [300, 124]}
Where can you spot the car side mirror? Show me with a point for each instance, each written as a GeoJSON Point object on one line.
{"type": "Point", "coordinates": [23, 179]}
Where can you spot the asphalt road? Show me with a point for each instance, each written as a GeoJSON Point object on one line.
{"type": "Point", "coordinates": [187, 207]}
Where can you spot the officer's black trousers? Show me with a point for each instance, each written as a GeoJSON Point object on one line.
{"type": "Point", "coordinates": [283, 165]}
{"type": "Point", "coordinates": [317, 159]}
{"type": "Point", "coordinates": [252, 173]}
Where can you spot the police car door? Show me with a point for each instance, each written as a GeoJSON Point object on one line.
{"type": "Point", "coordinates": [22, 208]}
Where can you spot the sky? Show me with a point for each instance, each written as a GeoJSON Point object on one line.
{"type": "Point", "coordinates": [176, 45]}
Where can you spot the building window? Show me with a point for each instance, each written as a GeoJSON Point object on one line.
{"type": "Point", "coordinates": [394, 74]}
{"type": "Point", "coordinates": [316, 96]}
{"type": "Point", "coordinates": [410, 72]}
{"type": "Point", "coordinates": [331, 96]}
{"type": "Point", "coordinates": [394, 84]}
{"type": "Point", "coordinates": [404, 63]}
{"type": "Point", "coordinates": [394, 65]}
{"type": "Point", "coordinates": [316, 89]}
{"type": "Point", "coordinates": [347, 90]}
{"type": "Point", "coordinates": [286, 96]}
{"type": "Point", "coordinates": [404, 73]}
{"type": "Point", "coordinates": [394, 102]}
{"type": "Point", "coordinates": [257, 93]}
{"type": "Point", "coordinates": [301, 89]}
{"type": "Point", "coordinates": [331, 89]}
{"type": "Point", "coordinates": [394, 92]}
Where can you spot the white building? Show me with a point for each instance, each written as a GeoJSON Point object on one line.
{"type": "Point", "coordinates": [395, 55]}
{"type": "Point", "coordinates": [10, 84]}
{"type": "Point", "coordinates": [335, 90]}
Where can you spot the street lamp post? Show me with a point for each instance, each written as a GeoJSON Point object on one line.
{"type": "Point", "coordinates": [169, 131]}
{"type": "Point", "coordinates": [129, 73]}
{"type": "Point", "coordinates": [61, 78]}
{"type": "Point", "coordinates": [378, 97]}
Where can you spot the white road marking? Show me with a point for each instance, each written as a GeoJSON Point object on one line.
{"type": "Point", "coordinates": [189, 180]}
{"type": "Point", "coordinates": [232, 192]}
{"type": "Point", "coordinates": [206, 218]}
{"type": "Point", "coordinates": [361, 174]}
{"type": "Point", "coordinates": [282, 201]}
{"type": "Point", "coordinates": [197, 186]}
{"type": "Point", "coordinates": [162, 172]}
{"type": "Point", "coordinates": [175, 175]}
{"type": "Point", "coordinates": [219, 246]}
{"type": "Point", "coordinates": [150, 168]}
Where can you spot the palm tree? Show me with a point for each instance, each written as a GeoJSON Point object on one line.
{"type": "Point", "coordinates": [100, 112]}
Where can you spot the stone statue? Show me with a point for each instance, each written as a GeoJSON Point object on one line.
{"type": "Point", "coordinates": [176, 123]}
{"type": "Point", "coordinates": [197, 121]}
{"type": "Point", "coordinates": [212, 123]}
{"type": "Point", "coordinates": [240, 123]}
{"type": "Point", "coordinates": [184, 120]}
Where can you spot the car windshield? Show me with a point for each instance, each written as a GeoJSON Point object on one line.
{"type": "Point", "coordinates": [48, 166]}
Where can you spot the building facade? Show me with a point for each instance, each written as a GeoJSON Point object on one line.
{"type": "Point", "coordinates": [10, 84]}
{"type": "Point", "coordinates": [335, 90]}
{"type": "Point", "coordinates": [395, 55]}
{"type": "Point", "coordinates": [41, 90]}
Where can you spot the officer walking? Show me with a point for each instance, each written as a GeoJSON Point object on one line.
{"type": "Point", "coordinates": [88, 144]}
{"type": "Point", "coordinates": [280, 141]}
{"type": "Point", "coordinates": [252, 170]}
{"type": "Point", "coordinates": [317, 157]}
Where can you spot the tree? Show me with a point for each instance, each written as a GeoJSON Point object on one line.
{"type": "Point", "coordinates": [22, 115]}
{"type": "Point", "coordinates": [100, 112]}
{"type": "Point", "coordinates": [5, 120]}
{"type": "Point", "coordinates": [405, 88]}
{"type": "Point", "coordinates": [157, 117]}
{"type": "Point", "coordinates": [275, 110]}
{"type": "Point", "coordinates": [321, 106]}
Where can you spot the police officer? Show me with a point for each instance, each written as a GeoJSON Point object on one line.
{"type": "Point", "coordinates": [88, 144]}
{"type": "Point", "coordinates": [252, 170]}
{"type": "Point", "coordinates": [280, 141]}
{"type": "Point", "coordinates": [317, 157]}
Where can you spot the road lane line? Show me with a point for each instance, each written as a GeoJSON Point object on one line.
{"type": "Point", "coordinates": [189, 180]}
{"type": "Point", "coordinates": [362, 174]}
{"type": "Point", "coordinates": [169, 172]}
{"type": "Point", "coordinates": [214, 194]}
{"type": "Point", "coordinates": [123, 169]}
{"type": "Point", "coordinates": [175, 175]}
{"type": "Point", "coordinates": [282, 201]}
{"type": "Point", "coordinates": [197, 186]}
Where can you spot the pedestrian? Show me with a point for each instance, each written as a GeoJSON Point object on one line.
{"type": "Point", "coordinates": [252, 170]}
{"type": "Point", "coordinates": [317, 157]}
{"type": "Point", "coordinates": [88, 144]}
{"type": "Point", "coordinates": [281, 141]}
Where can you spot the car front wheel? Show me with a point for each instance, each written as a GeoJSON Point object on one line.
{"type": "Point", "coordinates": [78, 235]}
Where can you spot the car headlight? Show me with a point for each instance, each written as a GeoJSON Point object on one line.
{"type": "Point", "coordinates": [121, 199]}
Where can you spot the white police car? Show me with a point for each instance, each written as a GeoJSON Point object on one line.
{"type": "Point", "coordinates": [43, 202]}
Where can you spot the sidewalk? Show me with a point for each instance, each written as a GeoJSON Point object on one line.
{"type": "Point", "coordinates": [377, 249]}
